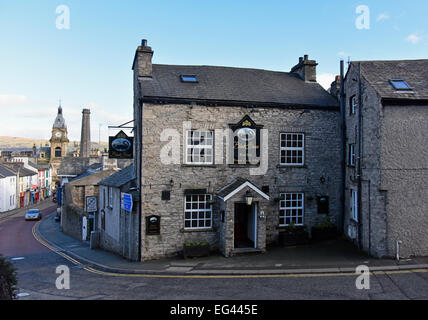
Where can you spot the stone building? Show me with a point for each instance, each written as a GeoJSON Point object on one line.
{"type": "Point", "coordinates": [281, 134]}
{"type": "Point", "coordinates": [76, 221]}
{"type": "Point", "coordinates": [118, 228]}
{"type": "Point", "coordinates": [386, 194]}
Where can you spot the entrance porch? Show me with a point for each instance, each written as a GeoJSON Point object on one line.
{"type": "Point", "coordinates": [242, 226]}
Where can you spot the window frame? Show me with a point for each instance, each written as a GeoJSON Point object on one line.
{"type": "Point", "coordinates": [58, 149]}
{"type": "Point", "coordinates": [281, 148]}
{"type": "Point", "coordinates": [297, 208]}
{"type": "Point", "coordinates": [208, 209]}
{"type": "Point", "coordinates": [110, 197]}
{"type": "Point", "coordinates": [353, 105]}
{"type": "Point", "coordinates": [188, 78]}
{"type": "Point", "coordinates": [351, 155]}
{"type": "Point", "coordinates": [354, 205]}
{"type": "Point", "coordinates": [394, 81]}
{"type": "Point", "coordinates": [203, 147]}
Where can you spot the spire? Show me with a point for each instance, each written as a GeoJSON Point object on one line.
{"type": "Point", "coordinates": [59, 120]}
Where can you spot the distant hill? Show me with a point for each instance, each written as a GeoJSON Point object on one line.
{"type": "Point", "coordinates": [17, 142]}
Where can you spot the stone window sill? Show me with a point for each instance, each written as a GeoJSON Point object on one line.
{"type": "Point", "coordinates": [197, 230]}
{"type": "Point", "coordinates": [283, 166]}
{"type": "Point", "coordinates": [198, 166]}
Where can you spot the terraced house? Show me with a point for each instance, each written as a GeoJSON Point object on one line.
{"type": "Point", "coordinates": [232, 156]}
{"type": "Point", "coordinates": [386, 196]}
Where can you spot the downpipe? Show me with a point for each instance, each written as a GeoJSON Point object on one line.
{"type": "Point", "coordinates": [397, 249]}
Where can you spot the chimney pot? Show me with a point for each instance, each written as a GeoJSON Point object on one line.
{"type": "Point", "coordinates": [143, 60]}
{"type": "Point", "coordinates": [306, 69]}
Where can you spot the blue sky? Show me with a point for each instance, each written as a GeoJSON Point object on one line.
{"type": "Point", "coordinates": [89, 65]}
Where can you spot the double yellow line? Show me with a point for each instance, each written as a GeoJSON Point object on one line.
{"type": "Point", "coordinates": [255, 276]}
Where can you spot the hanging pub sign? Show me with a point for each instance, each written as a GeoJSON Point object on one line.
{"type": "Point", "coordinates": [246, 142]}
{"type": "Point", "coordinates": [121, 146]}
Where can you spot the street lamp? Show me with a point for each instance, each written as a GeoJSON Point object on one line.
{"type": "Point", "coordinates": [249, 197]}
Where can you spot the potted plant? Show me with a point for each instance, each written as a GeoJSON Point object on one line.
{"type": "Point", "coordinates": [325, 230]}
{"type": "Point", "coordinates": [196, 249]}
{"type": "Point", "coordinates": [292, 235]}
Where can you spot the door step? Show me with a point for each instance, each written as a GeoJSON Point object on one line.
{"type": "Point", "coordinates": [245, 250]}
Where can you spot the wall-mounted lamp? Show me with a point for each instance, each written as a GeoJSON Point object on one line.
{"type": "Point", "coordinates": [249, 197]}
{"type": "Point", "coordinates": [171, 183]}
{"type": "Point", "coordinates": [262, 215]}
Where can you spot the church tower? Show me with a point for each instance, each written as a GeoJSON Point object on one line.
{"type": "Point", "coordinates": [59, 142]}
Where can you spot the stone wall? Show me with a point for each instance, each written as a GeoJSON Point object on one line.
{"type": "Point", "coordinates": [404, 172]}
{"type": "Point", "coordinates": [121, 229]}
{"type": "Point", "coordinates": [320, 174]}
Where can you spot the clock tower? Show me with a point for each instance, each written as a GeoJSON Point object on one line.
{"type": "Point", "coordinates": [59, 142]}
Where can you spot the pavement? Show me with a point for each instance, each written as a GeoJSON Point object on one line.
{"type": "Point", "coordinates": [330, 257]}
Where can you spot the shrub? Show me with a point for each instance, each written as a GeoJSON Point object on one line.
{"type": "Point", "coordinates": [7, 280]}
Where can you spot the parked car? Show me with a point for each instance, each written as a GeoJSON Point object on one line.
{"type": "Point", "coordinates": [33, 214]}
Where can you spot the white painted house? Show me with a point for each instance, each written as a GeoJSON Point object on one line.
{"type": "Point", "coordinates": [8, 199]}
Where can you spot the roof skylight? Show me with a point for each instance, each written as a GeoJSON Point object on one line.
{"type": "Point", "coordinates": [400, 84]}
{"type": "Point", "coordinates": [188, 78]}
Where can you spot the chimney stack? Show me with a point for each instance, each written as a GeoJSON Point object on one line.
{"type": "Point", "coordinates": [306, 69]}
{"type": "Point", "coordinates": [143, 60]}
{"type": "Point", "coordinates": [85, 139]}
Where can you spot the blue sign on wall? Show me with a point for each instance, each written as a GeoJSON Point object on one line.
{"type": "Point", "coordinates": [126, 202]}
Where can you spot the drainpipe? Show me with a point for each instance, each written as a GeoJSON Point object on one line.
{"type": "Point", "coordinates": [360, 156]}
{"type": "Point", "coordinates": [397, 246]}
{"type": "Point", "coordinates": [139, 125]}
{"type": "Point", "coordinates": [343, 142]}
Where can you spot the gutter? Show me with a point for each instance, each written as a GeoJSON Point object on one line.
{"type": "Point", "coordinates": [235, 103]}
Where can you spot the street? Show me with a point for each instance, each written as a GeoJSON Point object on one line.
{"type": "Point", "coordinates": [37, 278]}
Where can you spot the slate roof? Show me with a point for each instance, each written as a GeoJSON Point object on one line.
{"type": "Point", "coordinates": [120, 178]}
{"type": "Point", "coordinates": [23, 172]}
{"type": "Point", "coordinates": [71, 166]}
{"type": "Point", "coordinates": [39, 166]}
{"type": "Point", "coordinates": [414, 72]}
{"type": "Point", "coordinates": [234, 85]}
{"type": "Point", "coordinates": [6, 172]}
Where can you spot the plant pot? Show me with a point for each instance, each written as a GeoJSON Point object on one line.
{"type": "Point", "coordinates": [324, 233]}
{"type": "Point", "coordinates": [196, 251]}
{"type": "Point", "coordinates": [293, 236]}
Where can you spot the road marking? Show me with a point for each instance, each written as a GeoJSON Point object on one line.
{"type": "Point", "coordinates": [132, 275]}
{"type": "Point", "coordinates": [17, 258]}
{"type": "Point", "coordinates": [23, 294]}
